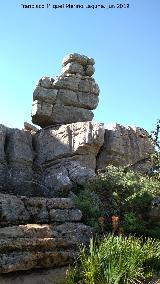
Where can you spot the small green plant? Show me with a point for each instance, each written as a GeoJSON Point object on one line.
{"type": "Point", "coordinates": [155, 138]}
{"type": "Point", "coordinates": [116, 260]}
{"type": "Point", "coordinates": [155, 135]}
{"type": "Point", "coordinates": [90, 205]}
{"type": "Point", "coordinates": [130, 221]}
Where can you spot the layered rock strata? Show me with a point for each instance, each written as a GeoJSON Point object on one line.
{"type": "Point", "coordinates": [68, 98]}
{"type": "Point", "coordinates": [21, 210]}
{"type": "Point", "coordinates": [126, 146]}
{"type": "Point", "coordinates": [39, 232]}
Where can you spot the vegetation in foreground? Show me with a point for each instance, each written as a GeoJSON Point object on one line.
{"type": "Point", "coordinates": [116, 260]}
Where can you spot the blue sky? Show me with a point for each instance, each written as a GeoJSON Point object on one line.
{"type": "Point", "coordinates": [125, 44]}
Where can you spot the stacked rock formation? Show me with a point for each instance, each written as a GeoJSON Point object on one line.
{"type": "Point", "coordinates": [68, 98]}
{"type": "Point", "coordinates": [38, 228]}
{"type": "Point", "coordinates": [38, 231]}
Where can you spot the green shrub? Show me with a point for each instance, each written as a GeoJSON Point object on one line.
{"type": "Point", "coordinates": [90, 205]}
{"type": "Point", "coordinates": [116, 260]}
{"type": "Point", "coordinates": [123, 192]}
{"type": "Point", "coordinates": [130, 221]}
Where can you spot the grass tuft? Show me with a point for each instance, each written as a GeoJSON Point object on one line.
{"type": "Point", "coordinates": [116, 260]}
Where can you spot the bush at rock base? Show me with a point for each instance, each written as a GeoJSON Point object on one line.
{"type": "Point", "coordinates": [91, 206]}
{"type": "Point", "coordinates": [122, 193]}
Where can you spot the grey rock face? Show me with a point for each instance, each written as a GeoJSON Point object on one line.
{"type": "Point", "coordinates": [19, 156]}
{"type": "Point", "coordinates": [73, 68]}
{"type": "Point", "coordinates": [12, 210]}
{"type": "Point", "coordinates": [48, 161]}
{"type": "Point", "coordinates": [3, 132]}
{"type": "Point", "coordinates": [22, 210]}
{"type": "Point", "coordinates": [29, 127]}
{"type": "Point", "coordinates": [68, 98]}
{"type": "Point", "coordinates": [19, 147]}
{"type": "Point", "coordinates": [25, 260]}
{"type": "Point", "coordinates": [51, 161]}
{"type": "Point", "coordinates": [3, 171]}
{"type": "Point", "coordinates": [62, 114]}
{"type": "Point", "coordinates": [16, 159]}
{"type": "Point", "coordinates": [67, 154]}
{"type": "Point", "coordinates": [81, 138]}
{"type": "Point", "coordinates": [30, 246]}
{"type": "Point", "coordinates": [125, 146]}
{"type": "Point", "coordinates": [70, 230]}
{"type": "Point", "coordinates": [45, 276]}
{"type": "Point", "coordinates": [3, 164]}
{"type": "Point", "coordinates": [75, 57]}
{"type": "Point", "coordinates": [39, 232]}
{"type": "Point", "coordinates": [90, 70]}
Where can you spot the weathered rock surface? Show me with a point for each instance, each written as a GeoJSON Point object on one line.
{"type": "Point", "coordinates": [125, 146]}
{"type": "Point", "coordinates": [75, 232]}
{"type": "Point", "coordinates": [75, 57]}
{"type": "Point", "coordinates": [39, 232]}
{"type": "Point", "coordinates": [16, 158]}
{"type": "Point", "coordinates": [12, 262]}
{"type": "Point", "coordinates": [79, 139]}
{"type": "Point", "coordinates": [48, 161]}
{"type": "Point", "coordinates": [67, 98]}
{"type": "Point", "coordinates": [54, 159]}
{"type": "Point", "coordinates": [2, 156]}
{"type": "Point", "coordinates": [36, 276]}
{"type": "Point", "coordinates": [30, 246]}
{"type": "Point", "coordinates": [76, 63]}
{"type": "Point", "coordinates": [21, 210]}
{"type": "Point", "coordinates": [29, 127]}
{"type": "Point", "coordinates": [67, 154]}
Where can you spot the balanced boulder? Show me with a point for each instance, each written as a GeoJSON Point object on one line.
{"type": "Point", "coordinates": [68, 98]}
